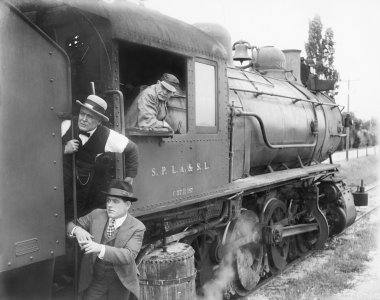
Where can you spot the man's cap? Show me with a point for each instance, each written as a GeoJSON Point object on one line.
{"type": "Point", "coordinates": [122, 189]}
{"type": "Point", "coordinates": [170, 82]}
{"type": "Point", "coordinates": [97, 105]}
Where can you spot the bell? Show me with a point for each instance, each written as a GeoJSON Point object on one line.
{"type": "Point", "coordinates": [241, 52]}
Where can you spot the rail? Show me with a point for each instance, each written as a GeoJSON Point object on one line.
{"type": "Point", "coordinates": [295, 99]}
{"type": "Point", "coordinates": [239, 113]}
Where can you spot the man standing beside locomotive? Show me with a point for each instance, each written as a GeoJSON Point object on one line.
{"type": "Point", "coordinates": [90, 140]}
{"type": "Point", "coordinates": [152, 103]}
{"type": "Point", "coordinates": [113, 238]}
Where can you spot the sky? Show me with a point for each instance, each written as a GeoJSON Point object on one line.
{"type": "Point", "coordinates": [285, 23]}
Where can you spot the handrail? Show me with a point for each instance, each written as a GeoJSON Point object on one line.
{"type": "Point", "coordinates": [238, 112]}
{"type": "Point", "coordinates": [122, 122]}
{"type": "Point", "coordinates": [121, 103]}
{"type": "Point", "coordinates": [295, 99]}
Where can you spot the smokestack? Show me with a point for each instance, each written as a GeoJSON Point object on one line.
{"type": "Point", "coordinates": [293, 62]}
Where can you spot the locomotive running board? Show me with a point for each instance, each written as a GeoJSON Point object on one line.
{"type": "Point", "coordinates": [250, 185]}
{"type": "Point", "coordinates": [278, 177]}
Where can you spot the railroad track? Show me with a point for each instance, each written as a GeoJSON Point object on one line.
{"type": "Point", "coordinates": [362, 213]}
{"type": "Point", "coordinates": [372, 186]}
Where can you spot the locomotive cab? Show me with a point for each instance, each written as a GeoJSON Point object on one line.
{"type": "Point", "coordinates": [123, 55]}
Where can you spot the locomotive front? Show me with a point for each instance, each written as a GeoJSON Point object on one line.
{"type": "Point", "coordinates": [279, 122]}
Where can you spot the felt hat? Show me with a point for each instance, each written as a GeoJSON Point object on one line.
{"type": "Point", "coordinates": [96, 105]}
{"type": "Point", "coordinates": [170, 82]}
{"type": "Point", "coordinates": [122, 189]}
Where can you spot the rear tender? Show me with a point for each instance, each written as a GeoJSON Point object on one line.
{"type": "Point", "coordinates": [35, 89]}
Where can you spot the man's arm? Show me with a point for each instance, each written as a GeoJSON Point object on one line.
{"type": "Point", "coordinates": [118, 143]}
{"type": "Point", "coordinates": [147, 111]}
{"type": "Point", "coordinates": [131, 155]}
{"type": "Point", "coordinates": [127, 254]}
{"type": "Point", "coordinates": [80, 231]}
{"type": "Point", "coordinates": [121, 256]}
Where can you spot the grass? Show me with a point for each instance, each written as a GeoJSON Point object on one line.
{"type": "Point", "coordinates": [366, 168]}
{"type": "Point", "coordinates": [348, 258]}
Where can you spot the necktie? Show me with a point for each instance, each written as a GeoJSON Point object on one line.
{"type": "Point", "coordinates": [84, 133]}
{"type": "Point", "coordinates": [111, 227]}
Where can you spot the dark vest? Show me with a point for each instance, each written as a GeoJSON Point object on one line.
{"type": "Point", "coordinates": [101, 267]}
{"type": "Point", "coordinates": [86, 154]}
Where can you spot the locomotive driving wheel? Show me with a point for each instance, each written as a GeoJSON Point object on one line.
{"type": "Point", "coordinates": [336, 218]}
{"type": "Point", "coordinates": [244, 240]}
{"type": "Point", "coordinates": [315, 239]}
{"type": "Point", "coordinates": [277, 251]}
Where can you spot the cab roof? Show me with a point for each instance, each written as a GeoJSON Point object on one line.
{"type": "Point", "coordinates": [134, 23]}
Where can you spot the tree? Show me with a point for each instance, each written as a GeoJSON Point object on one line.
{"type": "Point", "coordinates": [362, 133]}
{"type": "Point", "coordinates": [320, 52]}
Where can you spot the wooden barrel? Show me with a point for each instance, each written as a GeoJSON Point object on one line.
{"type": "Point", "coordinates": [168, 275]}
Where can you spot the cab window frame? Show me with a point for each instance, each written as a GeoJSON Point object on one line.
{"type": "Point", "coordinates": [206, 128]}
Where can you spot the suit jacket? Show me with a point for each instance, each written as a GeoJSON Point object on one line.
{"type": "Point", "coordinates": [128, 241]}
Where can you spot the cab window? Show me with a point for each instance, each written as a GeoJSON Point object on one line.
{"type": "Point", "coordinates": [205, 97]}
{"type": "Point", "coordinates": [142, 67]}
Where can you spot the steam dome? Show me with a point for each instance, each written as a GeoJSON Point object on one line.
{"type": "Point", "coordinates": [269, 58]}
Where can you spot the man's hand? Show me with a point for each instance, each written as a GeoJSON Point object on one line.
{"type": "Point", "coordinates": [129, 180]}
{"type": "Point", "coordinates": [82, 236]}
{"type": "Point", "coordinates": [91, 247]}
{"type": "Point", "coordinates": [71, 147]}
{"type": "Point", "coordinates": [166, 125]}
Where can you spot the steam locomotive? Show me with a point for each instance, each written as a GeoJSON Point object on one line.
{"type": "Point", "coordinates": [243, 166]}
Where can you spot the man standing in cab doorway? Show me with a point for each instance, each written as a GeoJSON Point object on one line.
{"type": "Point", "coordinates": [91, 139]}
{"type": "Point", "coordinates": [111, 239]}
{"type": "Point", "coordinates": [152, 103]}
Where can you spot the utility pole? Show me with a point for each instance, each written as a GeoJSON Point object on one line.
{"type": "Point", "coordinates": [348, 119]}
{"type": "Point", "coordinates": [348, 127]}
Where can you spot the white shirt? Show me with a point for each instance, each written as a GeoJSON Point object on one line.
{"type": "Point", "coordinates": [116, 142]}
{"type": "Point", "coordinates": [85, 138]}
